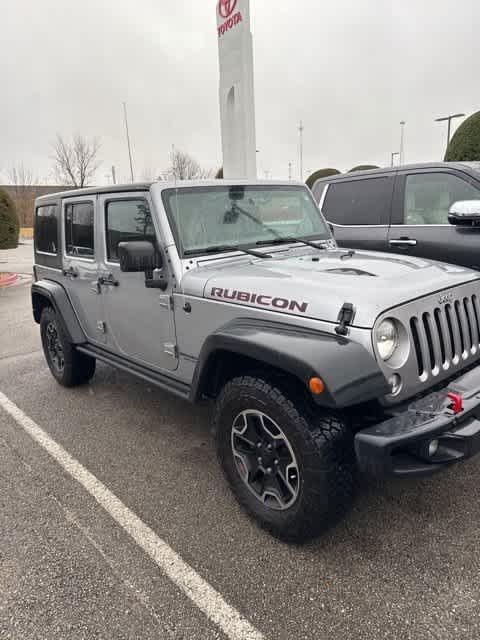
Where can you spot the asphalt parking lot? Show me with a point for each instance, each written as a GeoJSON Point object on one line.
{"type": "Point", "coordinates": [405, 564]}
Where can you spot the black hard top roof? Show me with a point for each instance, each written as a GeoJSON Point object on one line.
{"type": "Point", "coordinates": [468, 167]}
{"type": "Point", "coordinates": [88, 191]}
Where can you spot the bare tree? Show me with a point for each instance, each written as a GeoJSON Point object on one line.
{"type": "Point", "coordinates": [184, 167]}
{"type": "Point", "coordinates": [150, 175]}
{"type": "Point", "coordinates": [23, 183]}
{"type": "Point", "coordinates": [76, 162]}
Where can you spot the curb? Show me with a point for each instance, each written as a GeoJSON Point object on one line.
{"type": "Point", "coordinates": [8, 279]}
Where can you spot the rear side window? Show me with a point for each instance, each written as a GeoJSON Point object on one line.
{"type": "Point", "coordinates": [46, 229]}
{"type": "Point", "coordinates": [126, 221]}
{"type": "Point", "coordinates": [359, 202]}
{"type": "Point", "coordinates": [79, 229]}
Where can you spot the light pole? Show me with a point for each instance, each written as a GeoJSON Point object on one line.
{"type": "Point", "coordinates": [394, 154]}
{"type": "Point", "coordinates": [402, 141]}
{"type": "Point", "coordinates": [449, 120]}
{"type": "Point", "coordinates": [128, 141]}
{"type": "Point", "coordinates": [301, 129]}
{"type": "Point", "coordinates": [290, 171]}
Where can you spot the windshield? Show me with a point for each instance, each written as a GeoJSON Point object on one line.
{"type": "Point", "coordinates": [237, 216]}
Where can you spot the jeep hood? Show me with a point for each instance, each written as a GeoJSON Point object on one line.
{"type": "Point", "coordinates": [317, 284]}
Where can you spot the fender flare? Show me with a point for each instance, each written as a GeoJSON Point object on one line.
{"type": "Point", "coordinates": [350, 373]}
{"type": "Point", "coordinates": [55, 294]}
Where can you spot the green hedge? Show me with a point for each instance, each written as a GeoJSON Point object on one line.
{"type": "Point", "coordinates": [465, 144]}
{"type": "Point", "coordinates": [321, 173]}
{"type": "Point", "coordinates": [9, 226]}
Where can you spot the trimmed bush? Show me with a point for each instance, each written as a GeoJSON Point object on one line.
{"type": "Point", "coordinates": [465, 144]}
{"type": "Point", "coordinates": [321, 173]}
{"type": "Point", "coordinates": [219, 174]}
{"type": "Point", "coordinates": [364, 167]}
{"type": "Point", "coordinates": [9, 227]}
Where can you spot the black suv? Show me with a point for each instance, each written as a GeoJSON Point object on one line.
{"type": "Point", "coordinates": [405, 210]}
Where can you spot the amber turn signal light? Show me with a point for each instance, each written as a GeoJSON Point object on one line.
{"type": "Point", "coordinates": [316, 386]}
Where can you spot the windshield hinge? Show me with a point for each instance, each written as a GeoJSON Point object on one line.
{"type": "Point", "coordinates": [345, 318]}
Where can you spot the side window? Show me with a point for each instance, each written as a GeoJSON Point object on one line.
{"type": "Point", "coordinates": [127, 220]}
{"type": "Point", "coordinates": [359, 202]}
{"type": "Point", "coordinates": [79, 229]}
{"type": "Point", "coordinates": [46, 229]}
{"type": "Point", "coordinates": [429, 196]}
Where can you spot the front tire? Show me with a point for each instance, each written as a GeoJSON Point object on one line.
{"type": "Point", "coordinates": [69, 367]}
{"type": "Point", "coordinates": [293, 474]}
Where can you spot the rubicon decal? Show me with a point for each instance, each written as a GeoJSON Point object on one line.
{"type": "Point", "coordinates": [260, 300]}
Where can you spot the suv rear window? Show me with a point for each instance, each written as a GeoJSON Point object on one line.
{"type": "Point", "coordinates": [46, 229]}
{"type": "Point", "coordinates": [79, 229]}
{"type": "Point", "coordinates": [359, 202]}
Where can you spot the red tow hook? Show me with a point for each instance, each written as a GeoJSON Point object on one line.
{"type": "Point", "coordinates": [457, 403]}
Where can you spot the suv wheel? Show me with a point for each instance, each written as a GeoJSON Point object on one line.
{"type": "Point", "coordinates": [295, 476]}
{"type": "Point", "coordinates": [69, 367]}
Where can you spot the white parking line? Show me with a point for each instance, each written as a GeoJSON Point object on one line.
{"type": "Point", "coordinates": [204, 596]}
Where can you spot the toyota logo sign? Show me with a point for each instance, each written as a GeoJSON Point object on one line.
{"type": "Point", "coordinates": [226, 7]}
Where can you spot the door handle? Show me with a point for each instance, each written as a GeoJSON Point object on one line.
{"type": "Point", "coordinates": [70, 273]}
{"type": "Point", "coordinates": [108, 281]}
{"type": "Point", "coordinates": [403, 242]}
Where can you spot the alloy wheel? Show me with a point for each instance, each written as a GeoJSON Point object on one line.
{"type": "Point", "coordinates": [54, 346]}
{"type": "Point", "coordinates": [265, 460]}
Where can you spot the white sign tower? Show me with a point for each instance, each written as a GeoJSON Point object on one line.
{"type": "Point", "coordinates": [237, 92]}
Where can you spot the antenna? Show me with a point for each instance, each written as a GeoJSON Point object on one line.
{"type": "Point", "coordinates": [128, 140]}
{"type": "Point", "coordinates": [301, 129]}
{"type": "Point", "coordinates": [174, 165]}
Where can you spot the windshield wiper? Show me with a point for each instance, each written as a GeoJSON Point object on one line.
{"type": "Point", "coordinates": [264, 243]}
{"type": "Point", "coordinates": [223, 248]}
{"type": "Point", "coordinates": [278, 238]}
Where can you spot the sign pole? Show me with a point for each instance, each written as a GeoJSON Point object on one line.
{"type": "Point", "coordinates": [236, 91]}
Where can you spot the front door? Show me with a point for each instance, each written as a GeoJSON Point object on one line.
{"type": "Point", "coordinates": [420, 218]}
{"type": "Point", "coordinates": [359, 211]}
{"type": "Point", "coordinates": [139, 321]}
{"type": "Point", "coordinates": [80, 265]}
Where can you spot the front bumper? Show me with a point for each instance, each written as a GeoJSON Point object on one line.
{"type": "Point", "coordinates": [399, 445]}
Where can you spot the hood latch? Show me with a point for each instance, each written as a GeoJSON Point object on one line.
{"type": "Point", "coordinates": [345, 318]}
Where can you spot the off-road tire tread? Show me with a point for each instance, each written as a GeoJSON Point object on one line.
{"type": "Point", "coordinates": [327, 438]}
{"type": "Point", "coordinates": [79, 367]}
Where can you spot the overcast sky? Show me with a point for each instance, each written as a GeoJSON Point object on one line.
{"type": "Point", "coordinates": [350, 69]}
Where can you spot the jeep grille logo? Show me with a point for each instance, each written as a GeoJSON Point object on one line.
{"type": "Point", "coordinates": [445, 298]}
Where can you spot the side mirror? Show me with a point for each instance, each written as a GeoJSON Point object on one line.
{"type": "Point", "coordinates": [141, 255]}
{"type": "Point", "coordinates": [138, 256]}
{"type": "Point", "coordinates": [465, 213]}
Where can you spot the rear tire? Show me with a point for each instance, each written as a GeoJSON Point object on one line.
{"type": "Point", "coordinates": [69, 367]}
{"type": "Point", "coordinates": [317, 453]}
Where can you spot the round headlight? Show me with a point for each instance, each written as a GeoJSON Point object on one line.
{"type": "Point", "coordinates": [386, 336]}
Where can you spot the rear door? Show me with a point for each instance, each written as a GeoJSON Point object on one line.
{"type": "Point", "coordinates": [420, 216]}
{"type": "Point", "coordinates": [359, 211]}
{"type": "Point", "coordinates": [80, 264]}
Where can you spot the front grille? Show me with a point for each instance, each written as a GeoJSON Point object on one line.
{"type": "Point", "coordinates": [447, 336]}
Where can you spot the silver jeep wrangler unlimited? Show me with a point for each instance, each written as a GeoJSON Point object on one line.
{"type": "Point", "coordinates": [320, 361]}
